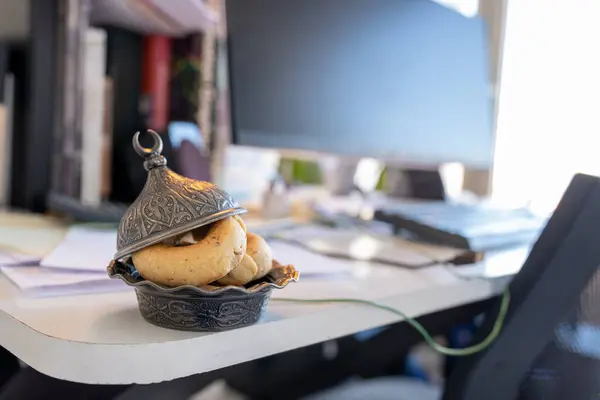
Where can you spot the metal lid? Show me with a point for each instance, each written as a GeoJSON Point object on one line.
{"type": "Point", "coordinates": [169, 203]}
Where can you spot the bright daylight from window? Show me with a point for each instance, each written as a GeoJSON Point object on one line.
{"type": "Point", "coordinates": [548, 126]}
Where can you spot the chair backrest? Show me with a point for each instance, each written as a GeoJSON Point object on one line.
{"type": "Point", "coordinates": [540, 350]}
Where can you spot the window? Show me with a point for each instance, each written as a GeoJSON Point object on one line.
{"type": "Point", "coordinates": [548, 125]}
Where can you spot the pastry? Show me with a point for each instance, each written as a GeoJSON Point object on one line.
{"type": "Point", "coordinates": [242, 274]}
{"type": "Point", "coordinates": [260, 251]}
{"type": "Point", "coordinates": [240, 221]}
{"type": "Point", "coordinates": [202, 257]}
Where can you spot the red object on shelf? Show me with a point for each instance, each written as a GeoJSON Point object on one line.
{"type": "Point", "coordinates": [156, 76]}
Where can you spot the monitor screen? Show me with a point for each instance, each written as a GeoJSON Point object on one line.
{"type": "Point", "coordinates": [400, 80]}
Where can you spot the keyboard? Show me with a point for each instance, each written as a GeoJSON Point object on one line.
{"type": "Point", "coordinates": [471, 227]}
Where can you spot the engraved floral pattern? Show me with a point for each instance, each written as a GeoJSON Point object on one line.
{"type": "Point", "coordinates": [209, 314]}
{"type": "Point", "coordinates": [169, 201]}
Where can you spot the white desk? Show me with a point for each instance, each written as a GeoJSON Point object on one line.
{"type": "Point", "coordinates": [103, 339]}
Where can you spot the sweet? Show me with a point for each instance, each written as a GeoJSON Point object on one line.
{"type": "Point", "coordinates": [260, 251]}
{"type": "Point", "coordinates": [217, 250]}
{"type": "Point", "coordinates": [222, 253]}
{"type": "Point", "coordinates": [242, 274]}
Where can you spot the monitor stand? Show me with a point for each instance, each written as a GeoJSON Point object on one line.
{"type": "Point", "coordinates": [414, 184]}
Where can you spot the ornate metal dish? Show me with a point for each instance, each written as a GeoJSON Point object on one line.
{"type": "Point", "coordinates": [206, 309]}
{"type": "Point", "coordinates": [169, 204]}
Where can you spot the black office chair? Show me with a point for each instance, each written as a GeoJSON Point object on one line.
{"type": "Point", "coordinates": [549, 347]}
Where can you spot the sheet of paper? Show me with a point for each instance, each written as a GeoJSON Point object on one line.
{"type": "Point", "coordinates": [14, 259]}
{"type": "Point", "coordinates": [84, 248]}
{"type": "Point", "coordinates": [39, 281]}
{"type": "Point", "coordinates": [307, 262]}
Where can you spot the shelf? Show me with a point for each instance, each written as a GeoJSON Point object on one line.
{"type": "Point", "coordinates": [162, 17]}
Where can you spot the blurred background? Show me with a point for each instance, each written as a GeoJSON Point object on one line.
{"type": "Point", "coordinates": [79, 77]}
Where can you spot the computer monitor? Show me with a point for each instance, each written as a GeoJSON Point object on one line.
{"type": "Point", "coordinates": [404, 81]}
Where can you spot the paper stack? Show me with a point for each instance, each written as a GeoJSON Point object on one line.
{"type": "Point", "coordinates": [84, 248]}
{"type": "Point", "coordinates": [38, 281]}
{"type": "Point", "coordinates": [76, 265]}
{"type": "Point", "coordinates": [8, 259]}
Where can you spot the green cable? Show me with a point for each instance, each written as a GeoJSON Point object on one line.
{"type": "Point", "coordinates": [467, 351]}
